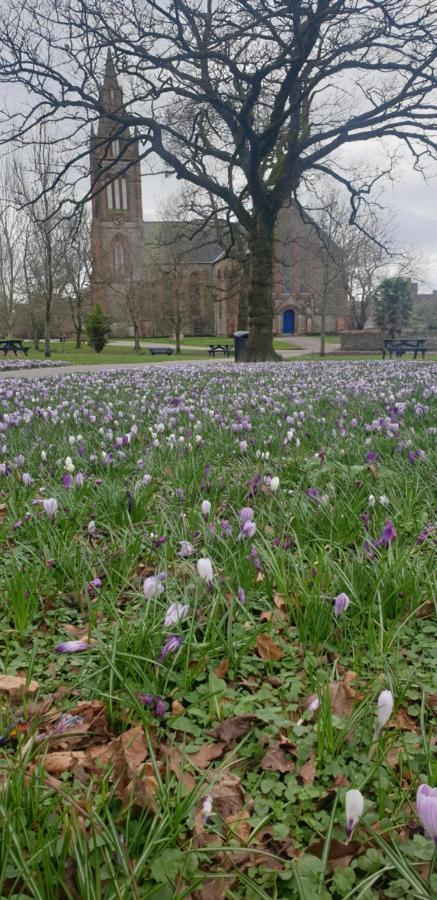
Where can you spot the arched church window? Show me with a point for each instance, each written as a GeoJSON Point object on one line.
{"type": "Point", "coordinates": [115, 148]}
{"type": "Point", "coordinates": [287, 262]}
{"type": "Point", "coordinates": [116, 193]}
{"type": "Point", "coordinates": [120, 262]}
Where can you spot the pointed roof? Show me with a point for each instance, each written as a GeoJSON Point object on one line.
{"type": "Point", "coordinates": [109, 66]}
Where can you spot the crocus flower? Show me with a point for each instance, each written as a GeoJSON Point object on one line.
{"type": "Point", "coordinates": [204, 568]}
{"type": "Point", "coordinates": [72, 647]}
{"type": "Point", "coordinates": [248, 530]}
{"type": "Point", "coordinates": [206, 508]}
{"type": "Point", "coordinates": [274, 484]}
{"type": "Point", "coordinates": [160, 707]}
{"type": "Point", "coordinates": [176, 612]}
{"type": "Point", "coordinates": [80, 478]}
{"type": "Point", "coordinates": [388, 535]}
{"type": "Point", "coordinates": [26, 479]}
{"type": "Point", "coordinates": [385, 708]}
{"type": "Point", "coordinates": [69, 465]}
{"type": "Point", "coordinates": [354, 809]}
{"type": "Point", "coordinates": [241, 595]}
{"type": "Point", "coordinates": [50, 507]}
{"type": "Point", "coordinates": [171, 645]}
{"type": "Point", "coordinates": [186, 550]}
{"type": "Point", "coordinates": [313, 493]}
{"type": "Point", "coordinates": [152, 587]}
{"type": "Point", "coordinates": [91, 527]}
{"type": "Point", "coordinates": [243, 446]}
{"type": "Point", "coordinates": [206, 808]}
{"type": "Point", "coordinates": [426, 804]}
{"type": "Point", "coordinates": [341, 604]}
{"type": "Point", "coordinates": [146, 699]}
{"type": "Point", "coordinates": [67, 480]}
{"type": "Point", "coordinates": [225, 527]}
{"type": "Point", "coordinates": [246, 515]}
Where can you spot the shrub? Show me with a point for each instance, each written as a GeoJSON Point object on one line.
{"type": "Point", "coordinates": [97, 328]}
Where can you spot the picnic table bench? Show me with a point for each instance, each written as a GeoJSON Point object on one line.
{"type": "Point", "coordinates": [14, 345]}
{"type": "Point", "coordinates": [163, 351]}
{"type": "Point", "coordinates": [399, 346]}
{"type": "Point", "coordinates": [226, 349]}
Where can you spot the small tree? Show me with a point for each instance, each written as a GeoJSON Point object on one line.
{"type": "Point", "coordinates": [97, 328]}
{"type": "Point", "coordinates": [393, 305]}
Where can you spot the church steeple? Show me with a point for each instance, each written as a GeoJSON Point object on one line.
{"type": "Point", "coordinates": [111, 94]}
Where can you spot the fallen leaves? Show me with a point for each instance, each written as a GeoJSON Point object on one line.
{"type": "Point", "coordinates": [234, 728]}
{"type": "Point", "coordinates": [206, 754]}
{"type": "Point", "coordinates": [340, 855]}
{"type": "Point", "coordinates": [276, 760]}
{"type": "Point", "coordinates": [343, 696]}
{"type": "Point", "coordinates": [267, 649]}
{"type": "Point", "coordinates": [307, 772]}
{"type": "Point", "coordinates": [17, 686]}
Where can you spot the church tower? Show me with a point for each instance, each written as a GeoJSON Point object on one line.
{"type": "Point", "coordinates": [117, 213]}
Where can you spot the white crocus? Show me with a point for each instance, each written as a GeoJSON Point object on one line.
{"type": "Point", "coordinates": [274, 484]}
{"type": "Point", "coordinates": [69, 465]}
{"type": "Point", "coordinates": [176, 612]}
{"type": "Point", "coordinates": [354, 809]}
{"type": "Point", "coordinates": [385, 708]}
{"type": "Point", "coordinates": [206, 508]}
{"type": "Point", "coordinates": [204, 568]}
{"type": "Point", "coordinates": [50, 507]}
{"type": "Point", "coordinates": [152, 587]}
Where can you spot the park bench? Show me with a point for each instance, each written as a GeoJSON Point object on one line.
{"type": "Point", "coordinates": [226, 349]}
{"type": "Point", "coordinates": [399, 346]}
{"type": "Point", "coordinates": [13, 345]}
{"type": "Point", "coordinates": [161, 351]}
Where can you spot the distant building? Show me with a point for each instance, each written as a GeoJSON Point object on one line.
{"type": "Point", "coordinates": [154, 260]}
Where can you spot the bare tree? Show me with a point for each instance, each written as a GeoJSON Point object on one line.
{"type": "Point", "coordinates": [77, 237]}
{"type": "Point", "coordinates": [243, 98]}
{"type": "Point", "coordinates": [46, 239]}
{"type": "Point", "coordinates": [11, 252]}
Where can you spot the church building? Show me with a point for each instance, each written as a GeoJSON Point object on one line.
{"type": "Point", "coordinates": [153, 277]}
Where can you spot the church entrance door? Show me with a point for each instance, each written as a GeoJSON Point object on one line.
{"type": "Point", "coordinates": [288, 322]}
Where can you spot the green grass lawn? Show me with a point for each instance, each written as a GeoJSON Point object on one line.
{"type": "Point", "coordinates": [111, 354]}
{"type": "Point", "coordinates": [184, 706]}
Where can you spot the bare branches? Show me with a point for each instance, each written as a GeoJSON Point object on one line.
{"type": "Point", "coordinates": [243, 99]}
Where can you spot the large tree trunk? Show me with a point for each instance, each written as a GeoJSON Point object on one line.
{"type": "Point", "coordinates": [243, 298]}
{"type": "Point", "coordinates": [78, 333]}
{"type": "Point", "coordinates": [260, 341]}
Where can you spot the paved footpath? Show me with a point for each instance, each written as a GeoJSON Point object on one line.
{"type": "Point", "coordinates": [307, 345]}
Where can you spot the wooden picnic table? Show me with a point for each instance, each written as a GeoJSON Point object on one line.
{"type": "Point", "coordinates": [399, 346]}
{"type": "Point", "coordinates": [226, 349]}
{"type": "Point", "coordinates": [13, 345]}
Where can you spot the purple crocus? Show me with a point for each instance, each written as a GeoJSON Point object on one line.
{"type": "Point", "coordinates": [171, 645]}
{"type": "Point", "coordinates": [426, 804]}
{"type": "Point", "coordinates": [313, 493]}
{"type": "Point", "coordinates": [246, 515]}
{"type": "Point", "coordinates": [67, 480]}
{"type": "Point", "coordinates": [371, 457]}
{"type": "Point", "coordinates": [248, 530]}
{"type": "Point", "coordinates": [225, 527]}
{"type": "Point", "coordinates": [160, 707]}
{"type": "Point", "coordinates": [152, 587]}
{"type": "Point", "coordinates": [241, 596]}
{"type": "Point", "coordinates": [341, 604]}
{"type": "Point", "coordinates": [388, 535]}
{"type": "Point", "coordinates": [146, 700]}
{"type": "Point", "coordinates": [72, 647]}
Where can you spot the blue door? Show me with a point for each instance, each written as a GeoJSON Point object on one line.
{"type": "Point", "coordinates": [288, 322]}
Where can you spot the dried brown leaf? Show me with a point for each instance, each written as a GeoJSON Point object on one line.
{"type": "Point", "coordinates": [340, 855]}
{"type": "Point", "coordinates": [222, 669]}
{"type": "Point", "coordinates": [215, 888]}
{"type": "Point", "coordinates": [267, 649]}
{"type": "Point", "coordinates": [404, 722]}
{"type": "Point", "coordinates": [234, 728]}
{"type": "Point", "coordinates": [177, 709]}
{"type": "Point", "coordinates": [343, 695]}
{"type": "Point", "coordinates": [15, 686]}
{"type": "Point", "coordinates": [276, 760]}
{"type": "Point", "coordinates": [308, 771]}
{"type": "Point", "coordinates": [239, 825]}
{"type": "Point", "coordinates": [206, 754]}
